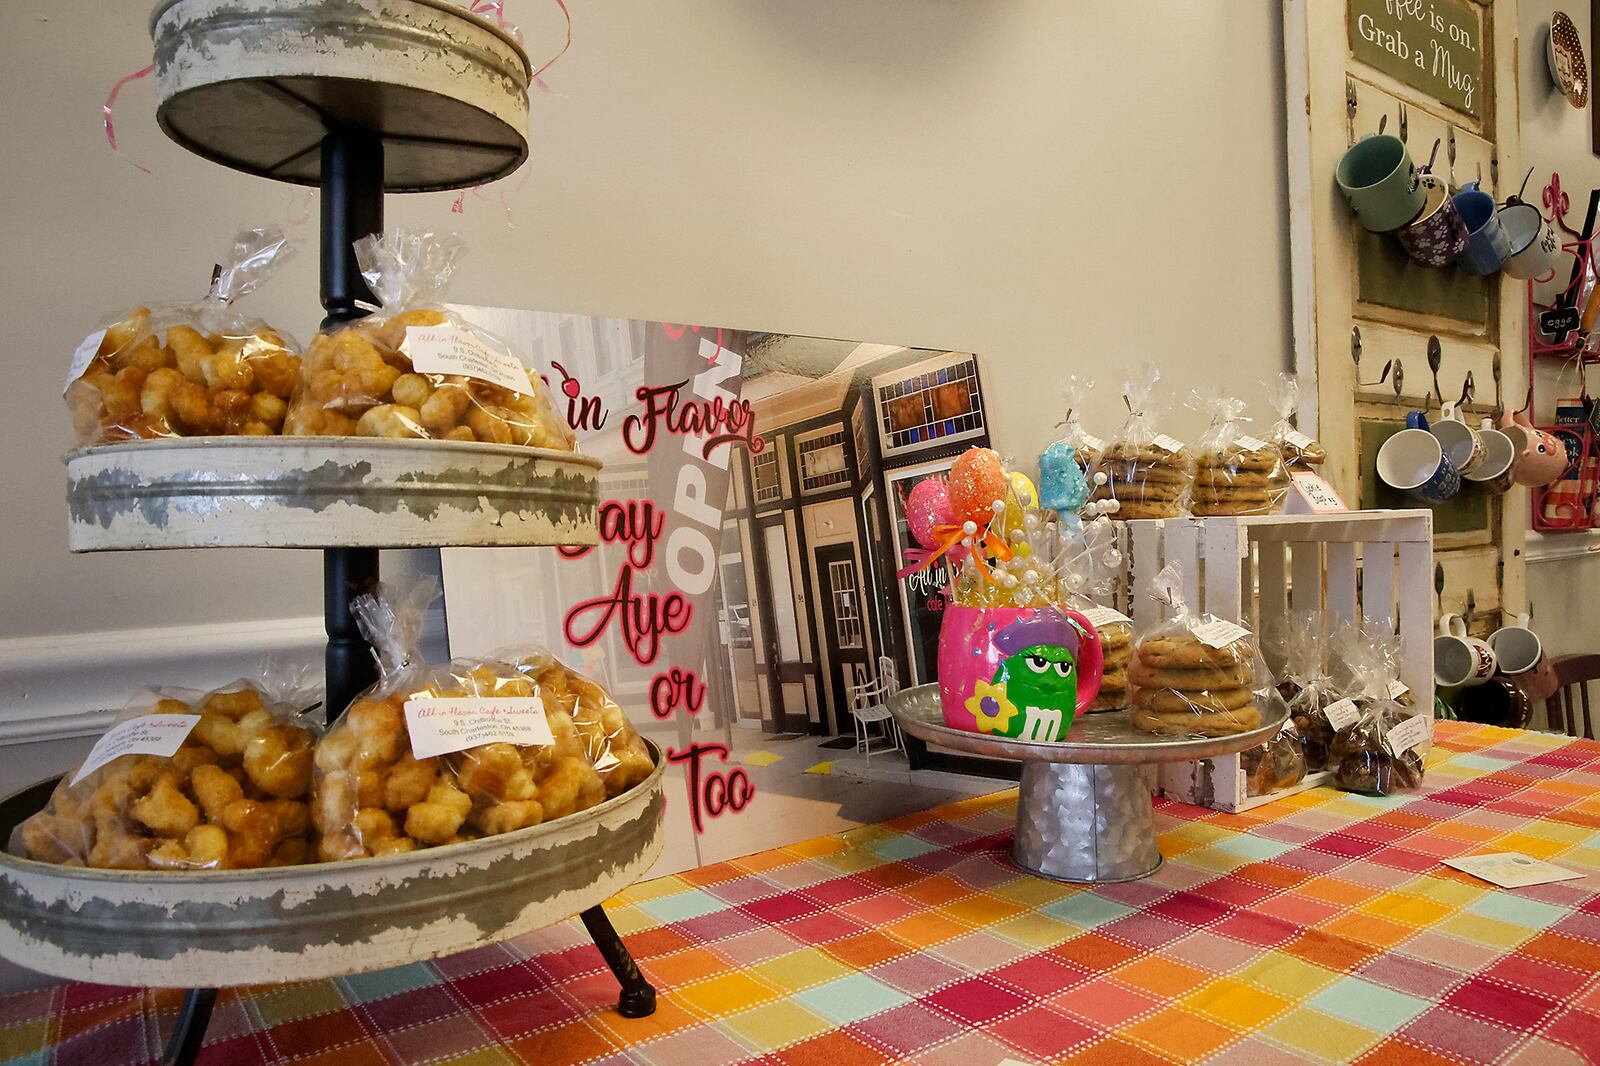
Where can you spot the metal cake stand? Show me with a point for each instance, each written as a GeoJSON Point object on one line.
{"type": "Point", "coordinates": [1083, 809]}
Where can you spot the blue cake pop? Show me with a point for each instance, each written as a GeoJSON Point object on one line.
{"type": "Point", "coordinates": [1062, 486]}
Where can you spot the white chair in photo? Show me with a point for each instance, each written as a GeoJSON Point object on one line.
{"type": "Point", "coordinates": [869, 702]}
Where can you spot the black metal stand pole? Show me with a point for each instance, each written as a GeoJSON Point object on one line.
{"type": "Point", "coordinates": [352, 208]}
{"type": "Point", "coordinates": [183, 1046]}
{"type": "Point", "coordinates": [638, 999]}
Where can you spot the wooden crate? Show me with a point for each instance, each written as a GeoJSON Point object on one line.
{"type": "Point", "coordinates": [1375, 566]}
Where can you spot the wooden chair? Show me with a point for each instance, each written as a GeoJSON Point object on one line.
{"type": "Point", "coordinates": [1573, 674]}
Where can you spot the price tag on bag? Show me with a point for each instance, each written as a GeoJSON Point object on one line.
{"type": "Point", "coordinates": [1250, 444]}
{"type": "Point", "coordinates": [1342, 715]}
{"type": "Point", "coordinates": [1313, 495]}
{"type": "Point", "coordinates": [1100, 617]}
{"type": "Point", "coordinates": [1093, 444]}
{"type": "Point", "coordinates": [1168, 444]}
{"type": "Point", "coordinates": [1411, 733]}
{"type": "Point", "coordinates": [1398, 689]}
{"type": "Point", "coordinates": [1298, 439]}
{"type": "Point", "coordinates": [148, 734]}
{"type": "Point", "coordinates": [83, 356]}
{"type": "Point", "coordinates": [440, 725]}
{"type": "Point", "coordinates": [1219, 632]}
{"type": "Point", "coordinates": [453, 350]}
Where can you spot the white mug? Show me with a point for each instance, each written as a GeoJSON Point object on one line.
{"type": "Point", "coordinates": [1493, 472]}
{"type": "Point", "coordinates": [1461, 442]}
{"type": "Point", "coordinates": [1517, 649]}
{"type": "Point", "coordinates": [1460, 660]}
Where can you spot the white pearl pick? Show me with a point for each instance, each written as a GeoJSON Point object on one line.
{"type": "Point", "coordinates": [969, 527]}
{"type": "Point", "coordinates": [1100, 478]}
{"type": "Point", "coordinates": [998, 506]}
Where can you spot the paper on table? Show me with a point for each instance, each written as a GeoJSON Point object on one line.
{"type": "Point", "coordinates": [1510, 870]}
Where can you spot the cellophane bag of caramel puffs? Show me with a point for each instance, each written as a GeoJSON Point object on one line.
{"type": "Point", "coordinates": [413, 369]}
{"type": "Point", "coordinates": [186, 780]}
{"type": "Point", "coordinates": [441, 754]}
{"type": "Point", "coordinates": [189, 369]}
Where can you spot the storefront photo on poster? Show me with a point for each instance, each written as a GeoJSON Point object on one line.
{"type": "Point", "coordinates": [743, 601]}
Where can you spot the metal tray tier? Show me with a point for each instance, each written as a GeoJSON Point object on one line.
{"type": "Point", "coordinates": [327, 492]}
{"type": "Point", "coordinates": [256, 84]}
{"type": "Point", "coordinates": [295, 923]}
{"type": "Point", "coordinates": [1083, 807]}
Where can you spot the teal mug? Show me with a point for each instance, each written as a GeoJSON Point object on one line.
{"type": "Point", "coordinates": [1381, 183]}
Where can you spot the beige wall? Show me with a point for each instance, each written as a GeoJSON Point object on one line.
{"type": "Point", "coordinates": [1562, 573]}
{"type": "Point", "coordinates": [1059, 186]}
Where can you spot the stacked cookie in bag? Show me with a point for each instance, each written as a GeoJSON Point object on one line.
{"type": "Point", "coordinates": [1195, 674]}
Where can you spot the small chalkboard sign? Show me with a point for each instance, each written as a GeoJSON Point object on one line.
{"type": "Point", "coordinates": [1559, 322]}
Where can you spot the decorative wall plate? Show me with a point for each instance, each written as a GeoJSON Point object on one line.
{"type": "Point", "coordinates": [1567, 65]}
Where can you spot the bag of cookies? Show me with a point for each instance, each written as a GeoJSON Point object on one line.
{"type": "Point", "coordinates": [413, 369]}
{"type": "Point", "coordinates": [610, 744]}
{"type": "Point", "coordinates": [1307, 687]}
{"type": "Point", "coordinates": [1278, 764]}
{"type": "Point", "coordinates": [1235, 473]}
{"type": "Point", "coordinates": [1196, 674]}
{"type": "Point", "coordinates": [186, 781]}
{"type": "Point", "coordinates": [435, 755]}
{"type": "Point", "coordinates": [1145, 472]}
{"type": "Point", "coordinates": [1116, 645]}
{"type": "Point", "coordinates": [1379, 746]}
{"type": "Point", "coordinates": [1298, 451]}
{"type": "Point", "coordinates": [189, 370]}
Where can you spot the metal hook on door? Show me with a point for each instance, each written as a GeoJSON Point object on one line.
{"type": "Point", "coordinates": [1469, 391]}
{"type": "Point", "coordinates": [1404, 122]}
{"type": "Point", "coordinates": [1355, 344]}
{"type": "Point", "coordinates": [1433, 155]}
{"type": "Point", "coordinates": [1387, 367]}
{"type": "Point", "coordinates": [1472, 609]}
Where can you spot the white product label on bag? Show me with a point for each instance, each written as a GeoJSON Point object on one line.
{"type": "Point", "coordinates": [1100, 617]}
{"type": "Point", "coordinates": [83, 356]}
{"type": "Point", "coordinates": [1250, 444]}
{"type": "Point", "coordinates": [440, 725]}
{"type": "Point", "coordinates": [1342, 715]}
{"type": "Point", "coordinates": [148, 734]}
{"type": "Point", "coordinates": [1397, 689]}
{"type": "Point", "coordinates": [452, 350]}
{"type": "Point", "coordinates": [1409, 734]}
{"type": "Point", "coordinates": [1094, 444]}
{"type": "Point", "coordinates": [1298, 439]}
{"type": "Point", "coordinates": [1219, 632]}
{"type": "Point", "coordinates": [1168, 444]}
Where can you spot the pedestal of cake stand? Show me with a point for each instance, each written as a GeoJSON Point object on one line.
{"type": "Point", "coordinates": [1083, 809]}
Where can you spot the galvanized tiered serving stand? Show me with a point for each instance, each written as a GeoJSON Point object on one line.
{"type": "Point", "coordinates": [359, 98]}
{"type": "Point", "coordinates": [1083, 809]}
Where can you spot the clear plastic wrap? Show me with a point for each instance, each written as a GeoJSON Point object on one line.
{"type": "Point", "coordinates": [1379, 750]}
{"type": "Point", "coordinates": [1307, 687]}
{"type": "Point", "coordinates": [232, 793]}
{"type": "Point", "coordinates": [1299, 451]}
{"type": "Point", "coordinates": [1278, 764]}
{"type": "Point", "coordinates": [414, 369]}
{"type": "Point", "coordinates": [1235, 473]}
{"type": "Point", "coordinates": [1116, 643]}
{"type": "Point", "coordinates": [1196, 674]}
{"type": "Point", "coordinates": [1146, 472]}
{"type": "Point", "coordinates": [611, 744]}
{"type": "Point", "coordinates": [189, 370]}
{"type": "Point", "coordinates": [390, 778]}
{"type": "Point", "coordinates": [1066, 461]}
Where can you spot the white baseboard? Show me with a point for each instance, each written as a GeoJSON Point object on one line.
{"type": "Point", "coordinates": [72, 685]}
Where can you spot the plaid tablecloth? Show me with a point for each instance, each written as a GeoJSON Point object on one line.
{"type": "Point", "coordinates": [1317, 928]}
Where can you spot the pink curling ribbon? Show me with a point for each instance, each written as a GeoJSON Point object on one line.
{"type": "Point", "coordinates": [111, 101]}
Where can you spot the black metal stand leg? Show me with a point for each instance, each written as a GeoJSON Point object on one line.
{"type": "Point", "coordinates": [183, 1047]}
{"type": "Point", "coordinates": [638, 998]}
{"type": "Point", "coordinates": [346, 574]}
{"type": "Point", "coordinates": [352, 208]}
